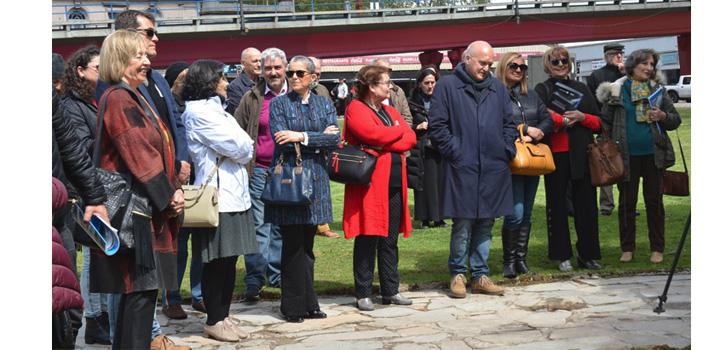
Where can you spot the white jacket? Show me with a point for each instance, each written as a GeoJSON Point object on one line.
{"type": "Point", "coordinates": [211, 134]}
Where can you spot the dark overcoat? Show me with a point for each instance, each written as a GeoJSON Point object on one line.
{"type": "Point", "coordinates": [475, 133]}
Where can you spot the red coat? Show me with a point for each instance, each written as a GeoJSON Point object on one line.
{"type": "Point", "coordinates": [366, 206]}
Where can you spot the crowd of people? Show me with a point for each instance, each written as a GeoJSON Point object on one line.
{"type": "Point", "coordinates": [450, 140]}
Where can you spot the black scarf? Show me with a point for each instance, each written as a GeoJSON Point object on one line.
{"type": "Point", "coordinates": [466, 78]}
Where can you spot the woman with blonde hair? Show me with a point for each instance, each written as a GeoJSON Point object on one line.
{"type": "Point", "coordinates": [531, 112]}
{"type": "Point", "coordinates": [572, 132]}
{"type": "Point", "coordinates": [135, 142]}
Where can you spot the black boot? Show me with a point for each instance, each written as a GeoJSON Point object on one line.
{"type": "Point", "coordinates": [96, 331]}
{"type": "Point", "coordinates": [508, 240]}
{"type": "Point", "coordinates": [521, 249]}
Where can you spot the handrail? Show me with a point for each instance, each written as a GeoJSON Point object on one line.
{"type": "Point", "coordinates": [98, 15]}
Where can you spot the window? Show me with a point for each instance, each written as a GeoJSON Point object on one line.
{"type": "Point", "coordinates": [76, 13]}
{"type": "Point", "coordinates": [686, 81]}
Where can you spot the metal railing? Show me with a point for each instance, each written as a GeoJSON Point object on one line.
{"type": "Point", "coordinates": [89, 15]}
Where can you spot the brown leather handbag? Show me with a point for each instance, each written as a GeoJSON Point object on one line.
{"type": "Point", "coordinates": [605, 161]}
{"type": "Point", "coordinates": [531, 159]}
{"type": "Point", "coordinates": [677, 183]}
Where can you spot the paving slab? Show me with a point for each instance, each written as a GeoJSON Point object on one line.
{"type": "Point", "coordinates": [584, 313]}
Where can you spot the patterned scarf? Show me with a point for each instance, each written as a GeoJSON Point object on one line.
{"type": "Point", "coordinates": [639, 92]}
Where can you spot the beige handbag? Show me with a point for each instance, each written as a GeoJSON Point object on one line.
{"type": "Point", "coordinates": [201, 203]}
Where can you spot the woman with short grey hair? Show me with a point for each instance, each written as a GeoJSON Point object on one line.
{"type": "Point", "coordinates": [639, 123]}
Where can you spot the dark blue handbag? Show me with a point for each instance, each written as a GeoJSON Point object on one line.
{"type": "Point", "coordinates": [289, 184]}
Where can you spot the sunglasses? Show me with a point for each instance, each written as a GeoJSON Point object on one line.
{"type": "Point", "coordinates": [557, 62]}
{"type": "Point", "coordinates": [299, 73]}
{"type": "Point", "coordinates": [514, 66]}
{"type": "Point", "coordinates": [149, 32]}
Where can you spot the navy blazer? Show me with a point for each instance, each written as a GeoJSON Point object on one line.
{"type": "Point", "coordinates": [286, 113]}
{"type": "Point", "coordinates": [177, 128]}
{"type": "Point", "coordinates": [475, 134]}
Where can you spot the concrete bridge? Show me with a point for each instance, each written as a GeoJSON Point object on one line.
{"type": "Point", "coordinates": [193, 29]}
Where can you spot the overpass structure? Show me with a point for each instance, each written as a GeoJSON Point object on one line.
{"type": "Point", "coordinates": [220, 29]}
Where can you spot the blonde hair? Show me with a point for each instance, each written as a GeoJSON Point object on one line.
{"type": "Point", "coordinates": [556, 50]}
{"type": "Point", "coordinates": [117, 50]}
{"type": "Point", "coordinates": [179, 83]}
{"type": "Point", "coordinates": [502, 68]}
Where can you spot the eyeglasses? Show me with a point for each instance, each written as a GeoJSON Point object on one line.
{"type": "Point", "coordinates": [514, 66]}
{"type": "Point", "coordinates": [557, 62]}
{"type": "Point", "coordinates": [299, 73]}
{"type": "Point", "coordinates": [95, 67]}
{"type": "Point", "coordinates": [388, 83]}
{"type": "Point", "coordinates": [149, 32]}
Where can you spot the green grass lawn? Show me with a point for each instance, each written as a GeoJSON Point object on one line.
{"type": "Point", "coordinates": [423, 257]}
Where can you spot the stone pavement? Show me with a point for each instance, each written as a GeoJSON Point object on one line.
{"type": "Point", "coordinates": [583, 313]}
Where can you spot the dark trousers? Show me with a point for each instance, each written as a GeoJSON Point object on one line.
{"type": "Point", "coordinates": [584, 199]}
{"type": "Point", "coordinates": [134, 320]}
{"type": "Point", "coordinates": [386, 249]}
{"type": "Point", "coordinates": [297, 270]}
{"type": "Point", "coordinates": [218, 283]}
{"type": "Point", "coordinates": [642, 166]}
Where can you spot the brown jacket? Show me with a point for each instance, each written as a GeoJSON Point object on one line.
{"type": "Point", "coordinates": [399, 101]}
{"type": "Point", "coordinates": [321, 90]}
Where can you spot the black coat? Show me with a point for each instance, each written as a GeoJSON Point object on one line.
{"type": "Point", "coordinates": [414, 162]}
{"type": "Point", "coordinates": [536, 114]}
{"type": "Point", "coordinates": [75, 160]}
{"type": "Point", "coordinates": [83, 115]}
{"type": "Point", "coordinates": [606, 73]}
{"type": "Point", "coordinates": [579, 137]}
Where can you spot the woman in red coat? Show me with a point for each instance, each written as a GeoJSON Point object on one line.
{"type": "Point", "coordinates": [375, 214]}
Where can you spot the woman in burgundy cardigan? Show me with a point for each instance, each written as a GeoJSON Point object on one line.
{"type": "Point", "coordinates": [572, 133]}
{"type": "Point", "coordinates": [136, 142]}
{"type": "Point", "coordinates": [375, 214]}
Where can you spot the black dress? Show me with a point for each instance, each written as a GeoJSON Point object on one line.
{"type": "Point", "coordinates": [427, 174]}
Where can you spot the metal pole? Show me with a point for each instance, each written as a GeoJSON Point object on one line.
{"type": "Point", "coordinates": [242, 18]}
{"type": "Point", "coordinates": [517, 13]}
{"type": "Point", "coordinates": [663, 298]}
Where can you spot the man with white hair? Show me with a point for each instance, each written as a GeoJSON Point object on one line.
{"type": "Point", "coordinates": [248, 77]}
{"type": "Point", "coordinates": [253, 115]}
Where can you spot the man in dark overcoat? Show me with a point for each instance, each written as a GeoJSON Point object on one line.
{"type": "Point", "coordinates": [472, 126]}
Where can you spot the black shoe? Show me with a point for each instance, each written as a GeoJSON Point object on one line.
{"type": "Point", "coordinates": [509, 270]}
{"type": "Point", "coordinates": [589, 264]}
{"type": "Point", "coordinates": [317, 314]}
{"type": "Point", "coordinates": [637, 213]}
{"type": "Point", "coordinates": [605, 212]}
{"type": "Point", "coordinates": [440, 224]}
{"type": "Point", "coordinates": [521, 267]}
{"type": "Point", "coordinates": [294, 319]}
{"type": "Point", "coordinates": [509, 239]}
{"type": "Point", "coordinates": [521, 249]}
{"type": "Point", "coordinates": [425, 224]}
{"type": "Point", "coordinates": [252, 294]}
{"type": "Point", "coordinates": [95, 333]}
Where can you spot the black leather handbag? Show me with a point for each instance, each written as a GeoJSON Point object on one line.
{"type": "Point", "coordinates": [289, 184]}
{"type": "Point", "coordinates": [350, 164]}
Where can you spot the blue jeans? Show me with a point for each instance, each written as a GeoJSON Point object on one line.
{"type": "Point", "coordinates": [95, 303]}
{"type": "Point", "coordinates": [112, 309]}
{"type": "Point", "coordinates": [267, 260]}
{"type": "Point", "coordinates": [524, 189]}
{"type": "Point", "coordinates": [196, 267]}
{"type": "Point", "coordinates": [470, 238]}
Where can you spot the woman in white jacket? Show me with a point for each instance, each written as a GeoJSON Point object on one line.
{"type": "Point", "coordinates": [214, 137]}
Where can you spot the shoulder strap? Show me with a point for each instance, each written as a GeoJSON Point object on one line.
{"type": "Point", "coordinates": [682, 154]}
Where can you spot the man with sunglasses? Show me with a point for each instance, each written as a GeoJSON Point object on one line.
{"type": "Point", "coordinates": [614, 69]}
{"type": "Point", "coordinates": [471, 125]}
{"type": "Point", "coordinates": [253, 115]}
{"type": "Point", "coordinates": [158, 94]}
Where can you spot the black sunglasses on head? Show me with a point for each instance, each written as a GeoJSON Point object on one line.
{"type": "Point", "coordinates": [299, 73]}
{"type": "Point", "coordinates": [149, 32]}
{"type": "Point", "coordinates": [514, 66]}
{"type": "Point", "coordinates": [557, 62]}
